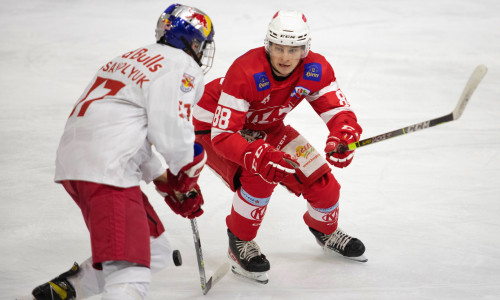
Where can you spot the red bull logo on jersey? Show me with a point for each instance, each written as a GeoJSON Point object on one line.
{"type": "Point", "coordinates": [152, 62]}
{"type": "Point", "coordinates": [197, 20]}
{"type": "Point", "coordinates": [312, 72]}
{"type": "Point", "coordinates": [261, 81]}
{"type": "Point", "coordinates": [299, 92]}
{"type": "Point", "coordinates": [187, 83]}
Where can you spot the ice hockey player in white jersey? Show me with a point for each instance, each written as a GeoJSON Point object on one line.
{"type": "Point", "coordinates": [136, 100]}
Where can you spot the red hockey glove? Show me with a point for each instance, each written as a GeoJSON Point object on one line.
{"type": "Point", "coordinates": [342, 135]}
{"type": "Point", "coordinates": [188, 205]}
{"type": "Point", "coordinates": [181, 191]}
{"type": "Point", "coordinates": [271, 164]}
{"type": "Point", "coordinates": [187, 177]}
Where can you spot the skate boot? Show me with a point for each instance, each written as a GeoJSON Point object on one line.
{"type": "Point", "coordinates": [58, 288]}
{"type": "Point", "coordinates": [341, 243]}
{"type": "Point", "coordinates": [247, 260]}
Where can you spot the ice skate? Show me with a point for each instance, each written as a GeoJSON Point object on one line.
{"type": "Point", "coordinates": [58, 288]}
{"type": "Point", "coordinates": [247, 260]}
{"type": "Point", "coordinates": [341, 243]}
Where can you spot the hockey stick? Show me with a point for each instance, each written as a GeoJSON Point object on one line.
{"type": "Point", "coordinates": [219, 273]}
{"type": "Point", "coordinates": [470, 87]}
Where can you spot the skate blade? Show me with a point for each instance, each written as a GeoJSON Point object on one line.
{"type": "Point", "coordinates": [362, 258]}
{"type": "Point", "coordinates": [259, 277]}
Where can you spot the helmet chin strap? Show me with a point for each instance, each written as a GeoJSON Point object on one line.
{"type": "Point", "coordinates": [190, 51]}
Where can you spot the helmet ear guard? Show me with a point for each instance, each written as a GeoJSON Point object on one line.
{"type": "Point", "coordinates": [288, 28]}
{"type": "Point", "coordinates": [189, 29]}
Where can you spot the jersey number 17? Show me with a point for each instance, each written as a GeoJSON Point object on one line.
{"type": "Point", "coordinates": [102, 87]}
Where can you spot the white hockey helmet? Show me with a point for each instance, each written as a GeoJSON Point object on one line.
{"type": "Point", "coordinates": [289, 28]}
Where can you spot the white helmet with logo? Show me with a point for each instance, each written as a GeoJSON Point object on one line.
{"type": "Point", "coordinates": [289, 28]}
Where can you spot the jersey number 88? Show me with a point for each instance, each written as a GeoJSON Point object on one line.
{"type": "Point", "coordinates": [221, 117]}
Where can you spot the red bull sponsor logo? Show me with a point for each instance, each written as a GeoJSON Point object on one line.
{"type": "Point", "coordinates": [142, 56]}
{"type": "Point", "coordinates": [187, 83]}
{"type": "Point", "coordinates": [197, 19]}
{"type": "Point", "coordinates": [167, 24]}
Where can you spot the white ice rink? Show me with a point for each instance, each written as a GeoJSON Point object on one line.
{"type": "Point", "coordinates": [426, 205]}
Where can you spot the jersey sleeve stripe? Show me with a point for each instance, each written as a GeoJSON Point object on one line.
{"type": "Point", "coordinates": [327, 116]}
{"type": "Point", "coordinates": [233, 102]}
{"type": "Point", "coordinates": [202, 114]}
{"type": "Point", "coordinates": [216, 131]}
{"type": "Point", "coordinates": [330, 88]}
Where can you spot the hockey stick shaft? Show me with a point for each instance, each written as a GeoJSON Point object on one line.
{"type": "Point", "coordinates": [199, 254]}
{"type": "Point", "coordinates": [470, 87]}
{"type": "Point", "coordinates": [402, 131]}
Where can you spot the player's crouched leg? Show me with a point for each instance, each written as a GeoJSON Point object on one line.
{"type": "Point", "coordinates": [161, 253]}
{"type": "Point", "coordinates": [125, 280]}
{"type": "Point", "coordinates": [323, 204]}
{"type": "Point", "coordinates": [322, 218]}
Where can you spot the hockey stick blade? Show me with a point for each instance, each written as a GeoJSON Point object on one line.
{"type": "Point", "coordinates": [218, 274]}
{"type": "Point", "coordinates": [470, 87]}
{"type": "Point", "coordinates": [474, 80]}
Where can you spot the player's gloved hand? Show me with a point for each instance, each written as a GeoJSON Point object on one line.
{"type": "Point", "coordinates": [271, 164]}
{"type": "Point", "coordinates": [187, 177]}
{"type": "Point", "coordinates": [181, 191]}
{"type": "Point", "coordinates": [188, 205]}
{"type": "Point", "coordinates": [341, 135]}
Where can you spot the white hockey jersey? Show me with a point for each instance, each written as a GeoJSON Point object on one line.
{"type": "Point", "coordinates": [141, 98]}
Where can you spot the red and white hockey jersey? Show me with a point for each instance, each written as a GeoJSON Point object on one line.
{"type": "Point", "coordinates": [251, 98]}
{"type": "Point", "coordinates": [140, 98]}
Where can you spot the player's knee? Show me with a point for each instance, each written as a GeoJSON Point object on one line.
{"type": "Point", "coordinates": [324, 192]}
{"type": "Point", "coordinates": [161, 253]}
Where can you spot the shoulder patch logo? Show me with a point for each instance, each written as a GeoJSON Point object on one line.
{"type": "Point", "coordinates": [312, 72]}
{"type": "Point", "coordinates": [261, 81]}
{"type": "Point", "coordinates": [187, 83]}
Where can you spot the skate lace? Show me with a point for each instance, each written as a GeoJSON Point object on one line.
{"type": "Point", "coordinates": [338, 240]}
{"type": "Point", "coordinates": [248, 249]}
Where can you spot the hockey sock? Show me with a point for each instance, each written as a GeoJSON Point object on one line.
{"type": "Point", "coordinates": [246, 215]}
{"type": "Point", "coordinates": [324, 220]}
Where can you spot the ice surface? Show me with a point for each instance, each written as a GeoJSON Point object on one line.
{"type": "Point", "coordinates": [426, 205]}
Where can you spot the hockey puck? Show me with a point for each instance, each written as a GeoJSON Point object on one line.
{"type": "Point", "coordinates": [176, 256]}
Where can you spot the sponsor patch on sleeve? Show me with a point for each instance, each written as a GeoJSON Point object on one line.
{"type": "Point", "coordinates": [300, 91]}
{"type": "Point", "coordinates": [312, 71]}
{"type": "Point", "coordinates": [187, 83]}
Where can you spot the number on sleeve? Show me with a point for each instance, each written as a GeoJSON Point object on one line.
{"type": "Point", "coordinates": [342, 98]}
{"type": "Point", "coordinates": [221, 117]}
{"type": "Point", "coordinates": [184, 110]}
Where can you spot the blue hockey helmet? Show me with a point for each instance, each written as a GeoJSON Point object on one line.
{"type": "Point", "coordinates": [189, 29]}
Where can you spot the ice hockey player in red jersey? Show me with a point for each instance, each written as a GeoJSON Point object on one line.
{"type": "Point", "coordinates": [138, 99]}
{"type": "Point", "coordinates": [239, 121]}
